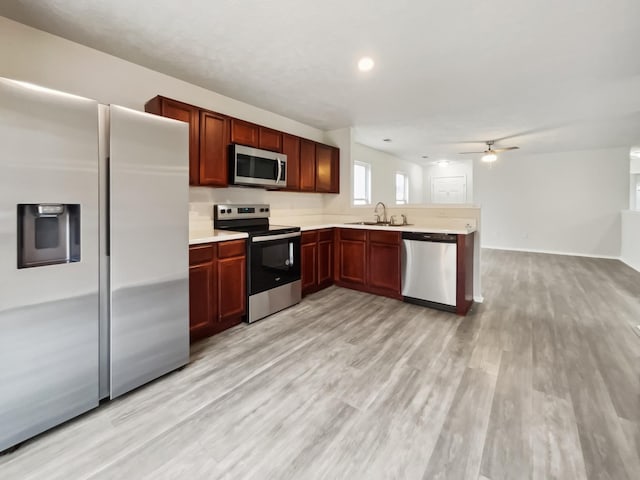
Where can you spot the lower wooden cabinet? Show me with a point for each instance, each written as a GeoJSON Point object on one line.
{"type": "Point", "coordinates": [369, 260]}
{"type": "Point", "coordinates": [217, 287]}
{"type": "Point", "coordinates": [383, 259]}
{"type": "Point", "coordinates": [316, 260]}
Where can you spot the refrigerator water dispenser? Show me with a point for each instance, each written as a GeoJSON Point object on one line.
{"type": "Point", "coordinates": [48, 234]}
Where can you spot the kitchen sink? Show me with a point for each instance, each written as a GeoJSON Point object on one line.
{"type": "Point", "coordinates": [384, 224]}
{"type": "Point", "coordinates": [380, 224]}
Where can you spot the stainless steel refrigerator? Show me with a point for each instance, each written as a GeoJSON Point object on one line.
{"type": "Point", "coordinates": [93, 254]}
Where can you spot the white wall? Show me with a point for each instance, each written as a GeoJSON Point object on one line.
{"type": "Point", "coordinates": [383, 169]}
{"type": "Point", "coordinates": [38, 57]}
{"type": "Point", "coordinates": [567, 202]}
{"type": "Point", "coordinates": [631, 239]}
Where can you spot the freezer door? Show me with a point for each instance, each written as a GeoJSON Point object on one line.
{"type": "Point", "coordinates": [429, 271]}
{"type": "Point", "coordinates": [149, 242]}
{"type": "Point", "coordinates": [49, 311]}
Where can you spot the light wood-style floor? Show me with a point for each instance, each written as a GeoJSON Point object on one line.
{"type": "Point", "coordinates": [541, 381]}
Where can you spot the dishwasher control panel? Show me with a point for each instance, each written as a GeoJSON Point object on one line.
{"type": "Point", "coordinates": [430, 237]}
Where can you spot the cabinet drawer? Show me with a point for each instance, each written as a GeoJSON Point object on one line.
{"type": "Point", "coordinates": [201, 253]}
{"type": "Point", "coordinates": [309, 237]}
{"type": "Point", "coordinates": [234, 248]}
{"type": "Point", "coordinates": [325, 235]}
{"type": "Point", "coordinates": [357, 235]}
{"type": "Point", "coordinates": [392, 238]}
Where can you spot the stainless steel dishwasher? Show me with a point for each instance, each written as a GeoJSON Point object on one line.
{"type": "Point", "coordinates": [429, 269]}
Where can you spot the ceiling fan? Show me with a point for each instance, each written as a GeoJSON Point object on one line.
{"type": "Point", "coordinates": [491, 155]}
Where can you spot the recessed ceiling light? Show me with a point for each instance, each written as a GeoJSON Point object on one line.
{"type": "Point", "coordinates": [425, 156]}
{"type": "Point", "coordinates": [365, 64]}
{"type": "Point", "coordinates": [386, 139]}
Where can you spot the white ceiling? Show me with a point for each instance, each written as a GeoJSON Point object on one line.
{"type": "Point", "coordinates": [546, 75]}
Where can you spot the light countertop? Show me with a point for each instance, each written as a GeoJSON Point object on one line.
{"type": "Point", "coordinates": [402, 228]}
{"type": "Point", "coordinates": [204, 235]}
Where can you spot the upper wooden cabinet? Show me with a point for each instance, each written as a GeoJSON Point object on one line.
{"type": "Point", "coordinates": [214, 141]}
{"type": "Point", "coordinates": [291, 148]}
{"type": "Point", "coordinates": [186, 113]}
{"type": "Point", "coordinates": [327, 169]}
{"type": "Point", "coordinates": [270, 139]}
{"type": "Point", "coordinates": [245, 133]}
{"type": "Point", "coordinates": [307, 165]}
{"type": "Point", "coordinates": [311, 166]}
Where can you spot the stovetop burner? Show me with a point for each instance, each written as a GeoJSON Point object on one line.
{"type": "Point", "coordinates": [250, 218]}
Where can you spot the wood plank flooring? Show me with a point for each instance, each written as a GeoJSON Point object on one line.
{"type": "Point", "coordinates": [542, 381]}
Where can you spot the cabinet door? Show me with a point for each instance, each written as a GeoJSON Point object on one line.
{"type": "Point", "coordinates": [323, 168]}
{"type": "Point", "coordinates": [325, 264]}
{"type": "Point", "coordinates": [307, 165]}
{"type": "Point", "coordinates": [308, 259]}
{"type": "Point", "coordinates": [335, 170]}
{"type": "Point", "coordinates": [270, 139]}
{"type": "Point", "coordinates": [186, 113]}
{"type": "Point", "coordinates": [384, 268]}
{"type": "Point", "coordinates": [352, 258]}
{"type": "Point", "coordinates": [214, 142]}
{"type": "Point", "coordinates": [245, 133]}
{"type": "Point", "coordinates": [231, 289]}
{"type": "Point", "coordinates": [291, 148]}
{"type": "Point", "coordinates": [201, 300]}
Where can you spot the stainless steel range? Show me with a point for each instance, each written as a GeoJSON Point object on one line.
{"type": "Point", "coordinates": [273, 258]}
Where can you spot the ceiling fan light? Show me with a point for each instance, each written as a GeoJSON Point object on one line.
{"type": "Point", "coordinates": [489, 157]}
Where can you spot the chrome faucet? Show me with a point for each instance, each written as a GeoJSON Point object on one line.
{"type": "Point", "coordinates": [384, 212]}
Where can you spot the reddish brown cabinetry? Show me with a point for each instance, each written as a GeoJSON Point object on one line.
{"type": "Point", "coordinates": [325, 258]}
{"type": "Point", "coordinates": [309, 261]}
{"type": "Point", "coordinates": [245, 133]}
{"type": "Point", "coordinates": [214, 140]}
{"type": "Point", "coordinates": [217, 287]}
{"type": "Point", "coordinates": [270, 140]}
{"type": "Point", "coordinates": [327, 169]}
{"type": "Point", "coordinates": [311, 166]}
{"type": "Point", "coordinates": [307, 165]}
{"type": "Point", "coordinates": [384, 263]}
{"type": "Point", "coordinates": [368, 260]}
{"type": "Point", "coordinates": [316, 260]}
{"type": "Point", "coordinates": [291, 148]}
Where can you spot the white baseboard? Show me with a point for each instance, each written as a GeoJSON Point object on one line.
{"type": "Point", "coordinates": [551, 252]}
{"type": "Point", "coordinates": [635, 267]}
{"type": "Point", "coordinates": [478, 298]}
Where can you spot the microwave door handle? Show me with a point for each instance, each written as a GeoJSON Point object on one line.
{"type": "Point", "coordinates": [279, 171]}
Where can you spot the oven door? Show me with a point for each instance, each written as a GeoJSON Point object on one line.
{"type": "Point", "coordinates": [275, 261]}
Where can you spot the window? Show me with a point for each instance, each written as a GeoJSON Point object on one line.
{"type": "Point", "coordinates": [402, 188]}
{"type": "Point", "coordinates": [361, 183]}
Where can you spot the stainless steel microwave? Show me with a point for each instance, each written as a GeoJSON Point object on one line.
{"type": "Point", "coordinates": [257, 168]}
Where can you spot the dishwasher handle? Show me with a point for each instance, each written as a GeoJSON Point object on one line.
{"type": "Point", "coordinates": [430, 237]}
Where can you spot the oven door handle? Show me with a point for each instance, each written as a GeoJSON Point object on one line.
{"type": "Point", "coordinates": [268, 238]}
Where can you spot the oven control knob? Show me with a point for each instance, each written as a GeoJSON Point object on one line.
{"type": "Point", "coordinates": [262, 209]}
{"type": "Point", "coordinates": [266, 209]}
